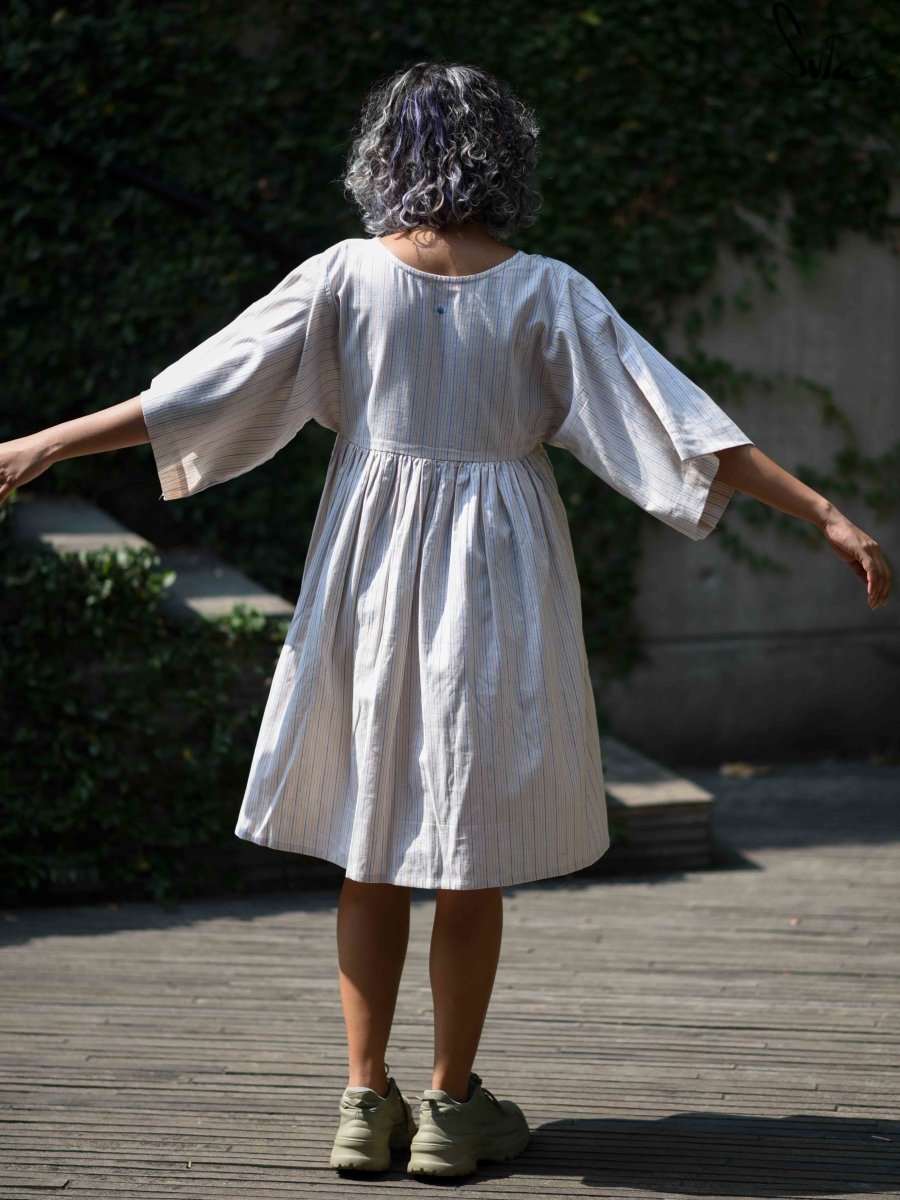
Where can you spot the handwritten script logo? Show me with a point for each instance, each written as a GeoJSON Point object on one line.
{"type": "Point", "coordinates": [810, 66]}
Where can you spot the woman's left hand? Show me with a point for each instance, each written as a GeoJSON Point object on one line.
{"type": "Point", "coordinates": [852, 545]}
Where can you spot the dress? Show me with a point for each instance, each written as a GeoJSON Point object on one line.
{"type": "Point", "coordinates": [431, 721]}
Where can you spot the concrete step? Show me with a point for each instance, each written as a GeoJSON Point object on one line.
{"type": "Point", "coordinates": [665, 820]}
{"type": "Point", "coordinates": [204, 586]}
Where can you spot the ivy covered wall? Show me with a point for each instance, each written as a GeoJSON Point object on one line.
{"type": "Point", "coordinates": [168, 163]}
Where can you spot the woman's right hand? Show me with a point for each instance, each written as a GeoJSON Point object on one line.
{"type": "Point", "coordinates": [22, 460]}
{"type": "Point", "coordinates": [855, 547]}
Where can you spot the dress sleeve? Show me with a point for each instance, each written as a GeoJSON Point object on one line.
{"type": "Point", "coordinates": [631, 417]}
{"type": "Point", "coordinates": [235, 400]}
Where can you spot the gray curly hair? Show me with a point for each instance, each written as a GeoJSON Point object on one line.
{"type": "Point", "coordinates": [443, 143]}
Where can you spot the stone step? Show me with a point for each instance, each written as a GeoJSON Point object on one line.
{"type": "Point", "coordinates": [665, 820]}
{"type": "Point", "coordinates": [204, 586]}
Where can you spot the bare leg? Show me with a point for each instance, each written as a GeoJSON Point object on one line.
{"type": "Point", "coordinates": [372, 936]}
{"type": "Point", "coordinates": [465, 950]}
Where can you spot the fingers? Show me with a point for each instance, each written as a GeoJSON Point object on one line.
{"type": "Point", "coordinates": [878, 576]}
{"type": "Point", "coordinates": [884, 587]}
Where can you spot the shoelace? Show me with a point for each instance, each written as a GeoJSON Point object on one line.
{"type": "Point", "coordinates": [487, 1091]}
{"type": "Point", "coordinates": [360, 1102]}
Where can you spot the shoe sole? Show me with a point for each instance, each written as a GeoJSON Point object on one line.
{"type": "Point", "coordinates": [441, 1157]}
{"type": "Point", "coordinates": [357, 1154]}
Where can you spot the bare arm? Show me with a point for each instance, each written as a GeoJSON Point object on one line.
{"type": "Point", "coordinates": [749, 470]}
{"type": "Point", "coordinates": [114, 428]}
{"type": "Point", "coordinates": [111, 428]}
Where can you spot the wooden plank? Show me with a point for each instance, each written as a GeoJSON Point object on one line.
{"type": "Point", "coordinates": [713, 1032]}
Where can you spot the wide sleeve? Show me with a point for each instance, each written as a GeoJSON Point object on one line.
{"type": "Point", "coordinates": [235, 400]}
{"type": "Point", "coordinates": [630, 416]}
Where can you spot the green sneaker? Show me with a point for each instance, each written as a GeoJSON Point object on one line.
{"type": "Point", "coordinates": [454, 1134]}
{"type": "Point", "coordinates": [371, 1126]}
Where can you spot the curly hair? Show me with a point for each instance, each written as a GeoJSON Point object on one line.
{"type": "Point", "coordinates": [443, 143]}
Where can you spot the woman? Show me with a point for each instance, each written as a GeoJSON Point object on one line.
{"type": "Point", "coordinates": [431, 720]}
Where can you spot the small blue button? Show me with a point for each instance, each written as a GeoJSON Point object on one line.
{"type": "Point", "coordinates": [440, 308]}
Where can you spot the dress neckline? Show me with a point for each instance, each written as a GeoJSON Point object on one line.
{"type": "Point", "coordinates": [447, 278]}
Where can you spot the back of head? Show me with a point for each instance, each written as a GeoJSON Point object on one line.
{"type": "Point", "coordinates": [440, 144]}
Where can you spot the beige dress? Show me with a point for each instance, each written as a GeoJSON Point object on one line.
{"type": "Point", "coordinates": [431, 721]}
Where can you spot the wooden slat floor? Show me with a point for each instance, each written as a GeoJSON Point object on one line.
{"type": "Point", "coordinates": [730, 1032]}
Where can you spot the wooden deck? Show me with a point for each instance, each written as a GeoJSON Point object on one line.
{"type": "Point", "coordinates": [726, 1032]}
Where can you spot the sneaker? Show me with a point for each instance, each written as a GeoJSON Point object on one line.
{"type": "Point", "coordinates": [371, 1126]}
{"type": "Point", "coordinates": [454, 1134]}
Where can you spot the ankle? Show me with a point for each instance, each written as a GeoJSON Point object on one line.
{"type": "Point", "coordinates": [383, 1092]}
{"type": "Point", "coordinates": [455, 1088]}
{"type": "Point", "coordinates": [378, 1082]}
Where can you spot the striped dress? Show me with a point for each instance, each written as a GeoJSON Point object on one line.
{"type": "Point", "coordinates": [431, 721]}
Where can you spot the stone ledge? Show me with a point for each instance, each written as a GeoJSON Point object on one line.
{"type": "Point", "coordinates": [205, 586]}
{"type": "Point", "coordinates": [636, 781]}
{"type": "Point", "coordinates": [667, 819]}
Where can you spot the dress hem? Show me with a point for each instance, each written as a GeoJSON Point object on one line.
{"type": "Point", "coordinates": [399, 881]}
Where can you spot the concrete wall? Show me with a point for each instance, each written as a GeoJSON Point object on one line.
{"type": "Point", "coordinates": [757, 666]}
